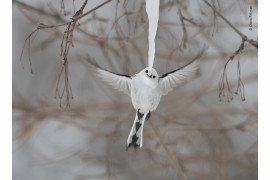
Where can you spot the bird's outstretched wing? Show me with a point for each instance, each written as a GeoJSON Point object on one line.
{"type": "Point", "coordinates": [171, 79]}
{"type": "Point", "coordinates": [120, 82]}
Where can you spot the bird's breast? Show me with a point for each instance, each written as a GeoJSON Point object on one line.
{"type": "Point", "coordinates": [144, 97]}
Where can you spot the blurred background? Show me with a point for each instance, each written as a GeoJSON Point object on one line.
{"type": "Point", "coordinates": [70, 125]}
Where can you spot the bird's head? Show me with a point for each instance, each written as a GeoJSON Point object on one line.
{"type": "Point", "coordinates": [150, 79]}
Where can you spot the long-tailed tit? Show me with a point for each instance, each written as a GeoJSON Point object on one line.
{"type": "Point", "coordinates": [145, 91]}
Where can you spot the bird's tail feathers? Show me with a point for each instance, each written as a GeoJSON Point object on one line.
{"type": "Point", "coordinates": [135, 137]}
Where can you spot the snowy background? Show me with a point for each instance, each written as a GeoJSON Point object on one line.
{"type": "Point", "coordinates": [192, 135]}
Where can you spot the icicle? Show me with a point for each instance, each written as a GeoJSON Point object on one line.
{"type": "Point", "coordinates": [152, 9]}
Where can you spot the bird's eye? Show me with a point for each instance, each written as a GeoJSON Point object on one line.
{"type": "Point", "coordinates": [146, 71]}
{"type": "Point", "coordinates": [154, 77]}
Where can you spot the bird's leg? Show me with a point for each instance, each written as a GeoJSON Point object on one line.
{"type": "Point", "coordinates": [140, 115]}
{"type": "Point", "coordinates": [148, 116]}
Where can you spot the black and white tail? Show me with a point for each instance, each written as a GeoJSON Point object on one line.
{"type": "Point", "coordinates": [136, 133]}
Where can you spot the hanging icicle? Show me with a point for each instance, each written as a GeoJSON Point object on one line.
{"type": "Point", "coordinates": [152, 9]}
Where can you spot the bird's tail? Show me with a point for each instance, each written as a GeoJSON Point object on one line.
{"type": "Point", "coordinates": [136, 133]}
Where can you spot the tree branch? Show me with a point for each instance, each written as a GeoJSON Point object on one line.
{"type": "Point", "coordinates": [250, 41]}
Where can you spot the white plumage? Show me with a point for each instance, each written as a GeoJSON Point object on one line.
{"type": "Point", "coordinates": [119, 82]}
{"type": "Point", "coordinates": [145, 91]}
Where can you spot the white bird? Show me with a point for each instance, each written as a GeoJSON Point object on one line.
{"type": "Point", "coordinates": [145, 91]}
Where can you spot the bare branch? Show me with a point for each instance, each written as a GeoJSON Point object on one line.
{"type": "Point", "coordinates": [223, 83]}
{"type": "Point", "coordinates": [185, 35]}
{"type": "Point", "coordinates": [250, 41]}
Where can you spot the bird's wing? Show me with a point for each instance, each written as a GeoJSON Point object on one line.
{"type": "Point", "coordinates": [171, 79]}
{"type": "Point", "coordinates": [120, 82]}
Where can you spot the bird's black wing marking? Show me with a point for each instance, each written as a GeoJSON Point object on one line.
{"type": "Point", "coordinates": [166, 74]}
{"type": "Point", "coordinates": [197, 57]}
{"type": "Point", "coordinates": [171, 79]}
{"type": "Point", "coordinates": [93, 62]}
{"type": "Point", "coordinates": [120, 82]}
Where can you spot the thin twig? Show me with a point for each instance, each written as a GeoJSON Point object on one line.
{"type": "Point", "coordinates": [250, 41]}
{"type": "Point", "coordinates": [223, 83]}
{"type": "Point", "coordinates": [185, 35]}
{"type": "Point", "coordinates": [67, 40]}
{"type": "Point", "coordinates": [92, 10]}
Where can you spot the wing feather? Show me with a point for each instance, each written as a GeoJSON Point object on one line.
{"type": "Point", "coordinates": [120, 82]}
{"type": "Point", "coordinates": [171, 79]}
